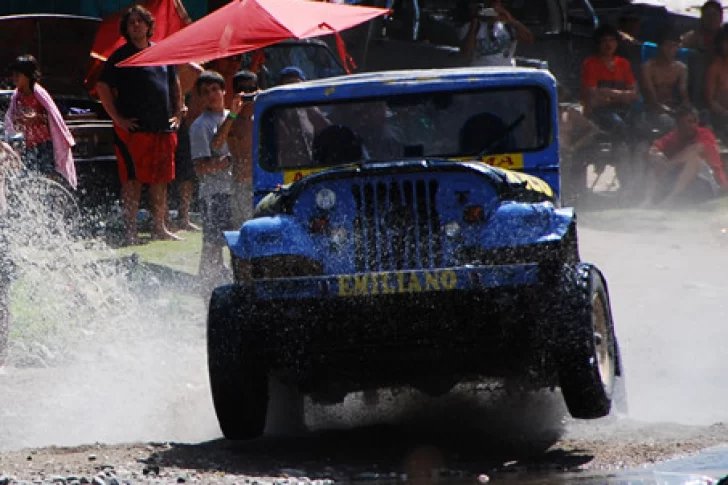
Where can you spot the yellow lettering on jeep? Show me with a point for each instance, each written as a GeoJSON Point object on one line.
{"type": "Point", "coordinates": [384, 282]}
{"type": "Point", "coordinates": [431, 282]}
{"type": "Point", "coordinates": [361, 284]}
{"type": "Point", "coordinates": [345, 286]}
{"type": "Point", "coordinates": [414, 285]}
{"type": "Point", "coordinates": [449, 279]}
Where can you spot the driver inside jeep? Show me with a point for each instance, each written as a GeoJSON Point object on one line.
{"type": "Point", "coordinates": [428, 125]}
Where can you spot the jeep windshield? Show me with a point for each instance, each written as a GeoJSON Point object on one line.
{"type": "Point", "coordinates": [446, 125]}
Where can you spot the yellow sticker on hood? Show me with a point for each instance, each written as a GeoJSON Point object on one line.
{"type": "Point", "coordinates": [511, 161]}
{"type": "Point", "coordinates": [290, 176]}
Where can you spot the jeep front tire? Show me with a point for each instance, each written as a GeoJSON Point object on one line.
{"type": "Point", "coordinates": [587, 360]}
{"type": "Point", "coordinates": [238, 373]}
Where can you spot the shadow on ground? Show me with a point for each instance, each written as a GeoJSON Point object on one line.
{"type": "Point", "coordinates": [374, 452]}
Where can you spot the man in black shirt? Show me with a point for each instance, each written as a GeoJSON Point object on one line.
{"type": "Point", "coordinates": [145, 105]}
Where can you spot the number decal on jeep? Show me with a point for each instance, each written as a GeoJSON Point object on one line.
{"type": "Point", "coordinates": [506, 160]}
{"type": "Point", "coordinates": [290, 176]}
{"type": "Point", "coordinates": [391, 283]}
{"type": "Point", "coordinates": [512, 161]}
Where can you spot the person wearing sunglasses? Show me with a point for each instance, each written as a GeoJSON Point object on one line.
{"type": "Point", "coordinates": [237, 131]}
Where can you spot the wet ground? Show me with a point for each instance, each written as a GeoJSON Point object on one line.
{"type": "Point", "coordinates": [144, 380]}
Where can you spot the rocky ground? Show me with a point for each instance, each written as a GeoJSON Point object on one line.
{"type": "Point", "coordinates": [373, 454]}
{"type": "Point", "coordinates": [667, 282]}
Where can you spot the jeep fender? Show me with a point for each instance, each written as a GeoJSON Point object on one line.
{"type": "Point", "coordinates": [270, 236]}
{"type": "Point", "coordinates": [517, 224]}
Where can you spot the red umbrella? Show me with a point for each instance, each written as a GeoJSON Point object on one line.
{"type": "Point", "coordinates": [245, 25]}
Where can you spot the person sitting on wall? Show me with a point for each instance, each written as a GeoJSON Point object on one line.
{"type": "Point", "coordinates": [684, 156]}
{"type": "Point", "coordinates": [664, 84]}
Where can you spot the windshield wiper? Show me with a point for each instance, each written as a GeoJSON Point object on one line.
{"type": "Point", "coordinates": [506, 132]}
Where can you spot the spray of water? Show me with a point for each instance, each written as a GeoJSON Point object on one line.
{"type": "Point", "coordinates": [100, 349]}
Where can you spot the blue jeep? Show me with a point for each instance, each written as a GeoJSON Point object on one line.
{"type": "Point", "coordinates": [408, 233]}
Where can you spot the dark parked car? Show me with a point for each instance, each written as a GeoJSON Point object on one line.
{"type": "Point", "coordinates": [62, 43]}
{"type": "Point", "coordinates": [312, 56]}
{"type": "Point", "coordinates": [427, 36]}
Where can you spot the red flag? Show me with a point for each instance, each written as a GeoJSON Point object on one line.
{"type": "Point", "coordinates": [169, 17]}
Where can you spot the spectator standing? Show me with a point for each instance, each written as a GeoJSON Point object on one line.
{"type": "Point", "coordinates": [33, 112]}
{"type": "Point", "coordinates": [702, 39]}
{"type": "Point", "coordinates": [9, 160]}
{"type": "Point", "coordinates": [681, 157]}
{"type": "Point", "coordinates": [145, 104]}
{"type": "Point", "coordinates": [214, 170]}
{"type": "Point", "coordinates": [490, 36]}
{"type": "Point", "coordinates": [664, 83]}
{"type": "Point", "coordinates": [237, 131]}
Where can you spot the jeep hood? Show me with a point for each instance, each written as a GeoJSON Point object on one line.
{"type": "Point", "coordinates": [61, 43]}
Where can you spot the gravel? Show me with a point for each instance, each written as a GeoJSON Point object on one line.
{"type": "Point", "coordinates": [372, 454]}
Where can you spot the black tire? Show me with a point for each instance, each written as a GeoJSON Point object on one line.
{"type": "Point", "coordinates": [238, 373]}
{"type": "Point", "coordinates": [286, 412]}
{"type": "Point", "coordinates": [587, 347]}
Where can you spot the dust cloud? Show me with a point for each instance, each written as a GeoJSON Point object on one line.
{"type": "Point", "coordinates": [668, 279]}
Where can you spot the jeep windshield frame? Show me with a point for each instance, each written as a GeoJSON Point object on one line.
{"type": "Point", "coordinates": [438, 124]}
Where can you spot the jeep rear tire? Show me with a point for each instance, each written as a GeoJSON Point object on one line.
{"type": "Point", "coordinates": [588, 357]}
{"type": "Point", "coordinates": [237, 370]}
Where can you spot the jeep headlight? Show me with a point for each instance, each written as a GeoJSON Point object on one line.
{"type": "Point", "coordinates": [339, 236]}
{"type": "Point", "coordinates": [452, 229]}
{"type": "Point", "coordinates": [325, 199]}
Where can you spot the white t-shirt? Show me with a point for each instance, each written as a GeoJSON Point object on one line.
{"type": "Point", "coordinates": [496, 51]}
{"type": "Point", "coordinates": [202, 131]}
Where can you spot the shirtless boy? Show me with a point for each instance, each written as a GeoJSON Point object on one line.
{"type": "Point", "coordinates": [716, 86]}
{"type": "Point", "coordinates": [664, 83]}
{"type": "Point", "coordinates": [702, 38]}
{"type": "Point", "coordinates": [237, 131]}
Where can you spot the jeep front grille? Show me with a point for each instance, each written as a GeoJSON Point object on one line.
{"type": "Point", "coordinates": [397, 226]}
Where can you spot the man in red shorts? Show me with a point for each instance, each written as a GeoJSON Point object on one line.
{"type": "Point", "coordinates": [145, 105]}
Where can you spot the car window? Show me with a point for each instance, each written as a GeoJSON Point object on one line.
{"type": "Point", "coordinates": [437, 124]}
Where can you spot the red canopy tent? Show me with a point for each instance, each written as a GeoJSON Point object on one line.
{"type": "Point", "coordinates": [246, 25]}
{"type": "Point", "coordinates": [170, 16]}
